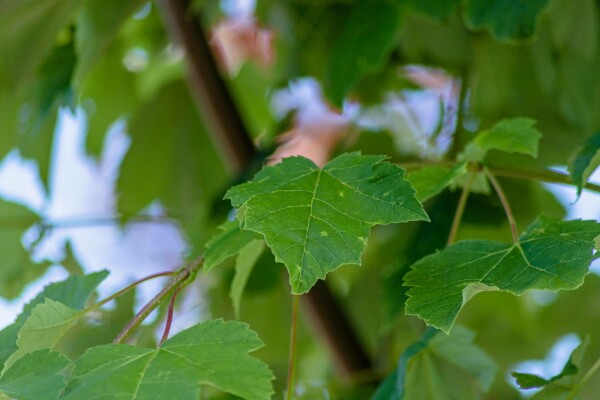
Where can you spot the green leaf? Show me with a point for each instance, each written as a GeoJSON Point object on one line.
{"type": "Point", "coordinates": [550, 255]}
{"type": "Point", "coordinates": [430, 181]}
{"type": "Point", "coordinates": [183, 167]}
{"type": "Point", "coordinates": [563, 386]}
{"type": "Point", "coordinates": [45, 326]}
{"type": "Point", "coordinates": [72, 292]}
{"type": "Point", "coordinates": [315, 220]}
{"type": "Point", "coordinates": [36, 376]}
{"type": "Point", "coordinates": [506, 20]}
{"type": "Point", "coordinates": [435, 9]}
{"type": "Point", "coordinates": [355, 54]}
{"type": "Point", "coordinates": [440, 367]}
{"type": "Point", "coordinates": [246, 259]}
{"type": "Point", "coordinates": [102, 106]}
{"type": "Point", "coordinates": [586, 161]}
{"type": "Point", "coordinates": [228, 243]}
{"type": "Point", "coordinates": [97, 26]}
{"type": "Point", "coordinates": [16, 269]}
{"type": "Point", "coordinates": [515, 135]}
{"type": "Point", "coordinates": [28, 30]}
{"type": "Point", "coordinates": [212, 353]}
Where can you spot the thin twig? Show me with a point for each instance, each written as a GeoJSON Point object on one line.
{"type": "Point", "coordinates": [128, 288]}
{"type": "Point", "coordinates": [460, 209]}
{"type": "Point", "coordinates": [509, 214]}
{"type": "Point", "coordinates": [169, 320]}
{"type": "Point", "coordinates": [177, 281]}
{"type": "Point", "coordinates": [292, 354]}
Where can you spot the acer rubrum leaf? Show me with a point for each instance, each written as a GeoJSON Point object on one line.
{"type": "Point", "coordinates": [36, 376]}
{"type": "Point", "coordinates": [246, 259]}
{"type": "Point", "coordinates": [315, 220]}
{"type": "Point", "coordinates": [431, 181]}
{"type": "Point", "coordinates": [45, 326]}
{"type": "Point", "coordinates": [515, 135]}
{"type": "Point", "coordinates": [440, 367]}
{"type": "Point", "coordinates": [226, 244]}
{"type": "Point", "coordinates": [586, 161]}
{"type": "Point", "coordinates": [550, 254]}
{"type": "Point", "coordinates": [72, 292]}
{"type": "Point", "coordinates": [212, 353]}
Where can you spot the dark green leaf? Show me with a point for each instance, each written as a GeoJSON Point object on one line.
{"type": "Point", "coordinates": [515, 135]}
{"type": "Point", "coordinates": [228, 243]}
{"type": "Point", "coordinates": [315, 220]}
{"type": "Point", "coordinates": [16, 269]}
{"type": "Point", "coordinates": [72, 292]}
{"type": "Point", "coordinates": [212, 353]}
{"type": "Point", "coordinates": [355, 53]}
{"type": "Point", "coordinates": [28, 30]}
{"type": "Point", "coordinates": [506, 20]}
{"type": "Point", "coordinates": [586, 161]}
{"type": "Point", "coordinates": [550, 255]}
{"type": "Point", "coordinates": [171, 157]}
{"type": "Point", "coordinates": [36, 376]}
{"type": "Point", "coordinates": [435, 9]}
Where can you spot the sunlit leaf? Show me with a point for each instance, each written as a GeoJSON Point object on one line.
{"type": "Point", "coordinates": [586, 161]}
{"type": "Point", "coordinates": [72, 292]}
{"type": "Point", "coordinates": [36, 376]}
{"type": "Point", "coordinates": [315, 220]}
{"type": "Point", "coordinates": [212, 353]}
{"type": "Point", "coordinates": [45, 326]}
{"type": "Point", "coordinates": [551, 255]}
{"type": "Point", "coordinates": [506, 20]}
{"type": "Point", "coordinates": [515, 135]}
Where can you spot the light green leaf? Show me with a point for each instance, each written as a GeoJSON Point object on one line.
{"type": "Point", "coordinates": [315, 220]}
{"type": "Point", "coordinates": [430, 181]}
{"type": "Point", "coordinates": [506, 20]}
{"type": "Point", "coordinates": [45, 326]}
{"type": "Point", "coordinates": [244, 264]}
{"type": "Point", "coordinates": [441, 367]}
{"type": "Point", "coordinates": [355, 54]}
{"type": "Point", "coordinates": [586, 161]}
{"type": "Point", "coordinates": [550, 255]}
{"type": "Point", "coordinates": [226, 244]}
{"type": "Point", "coordinates": [212, 353]}
{"type": "Point", "coordinates": [72, 292]}
{"type": "Point", "coordinates": [97, 26]}
{"type": "Point", "coordinates": [515, 135]}
{"type": "Point", "coordinates": [36, 376]}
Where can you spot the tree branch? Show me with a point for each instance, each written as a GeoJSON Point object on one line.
{"type": "Point", "coordinates": [231, 138]}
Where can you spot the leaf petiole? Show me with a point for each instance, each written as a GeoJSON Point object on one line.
{"type": "Point", "coordinates": [505, 204]}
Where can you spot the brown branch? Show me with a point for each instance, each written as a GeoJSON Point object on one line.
{"type": "Point", "coordinates": [214, 101]}
{"type": "Point", "coordinates": [231, 138]}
